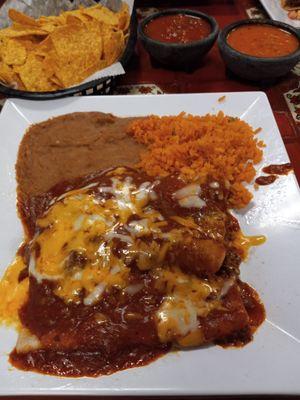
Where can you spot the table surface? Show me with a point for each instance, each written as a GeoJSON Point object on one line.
{"type": "Point", "coordinates": [143, 76]}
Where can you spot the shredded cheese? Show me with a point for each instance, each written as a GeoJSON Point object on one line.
{"type": "Point", "coordinates": [13, 293]}
{"type": "Point", "coordinates": [184, 302]}
{"type": "Point", "coordinates": [80, 231]}
{"type": "Point", "coordinates": [189, 196]}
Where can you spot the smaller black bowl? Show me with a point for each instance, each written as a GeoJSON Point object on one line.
{"type": "Point", "coordinates": [178, 55]}
{"type": "Point", "coordinates": [257, 68]}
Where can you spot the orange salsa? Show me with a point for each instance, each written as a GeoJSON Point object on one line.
{"type": "Point", "coordinates": [260, 40]}
{"type": "Point", "coordinates": [178, 28]}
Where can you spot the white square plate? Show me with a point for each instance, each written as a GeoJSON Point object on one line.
{"type": "Point", "coordinates": [268, 365]}
{"type": "Point", "coordinates": [275, 10]}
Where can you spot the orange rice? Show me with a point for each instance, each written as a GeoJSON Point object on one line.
{"type": "Point", "coordinates": [216, 146]}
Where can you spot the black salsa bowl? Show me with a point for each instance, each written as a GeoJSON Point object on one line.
{"type": "Point", "coordinates": [178, 55]}
{"type": "Point", "coordinates": [257, 68]}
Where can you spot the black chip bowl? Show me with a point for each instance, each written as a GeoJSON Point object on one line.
{"type": "Point", "coordinates": [178, 55]}
{"type": "Point", "coordinates": [100, 86]}
{"type": "Point", "coordinates": [257, 68]}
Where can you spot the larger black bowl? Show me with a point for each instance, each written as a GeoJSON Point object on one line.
{"type": "Point", "coordinates": [178, 55]}
{"type": "Point", "coordinates": [257, 68]}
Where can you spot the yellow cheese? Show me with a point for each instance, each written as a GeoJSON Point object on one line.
{"type": "Point", "coordinates": [13, 293]}
{"type": "Point", "coordinates": [186, 221]}
{"type": "Point", "coordinates": [192, 339]}
{"type": "Point", "coordinates": [76, 249]}
{"type": "Point", "coordinates": [244, 243]}
{"type": "Point", "coordinates": [184, 301]}
{"type": "Point", "coordinates": [79, 233]}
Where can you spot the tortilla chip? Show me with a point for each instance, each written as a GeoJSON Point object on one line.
{"type": "Point", "coordinates": [16, 31]}
{"type": "Point", "coordinates": [7, 74]}
{"type": "Point", "coordinates": [102, 14]}
{"type": "Point", "coordinates": [86, 19]}
{"type": "Point", "coordinates": [49, 27]}
{"type": "Point", "coordinates": [29, 42]}
{"type": "Point", "coordinates": [72, 19]}
{"type": "Point", "coordinates": [34, 75]}
{"type": "Point", "coordinates": [55, 19]}
{"type": "Point", "coordinates": [56, 81]}
{"type": "Point", "coordinates": [113, 45]}
{"type": "Point", "coordinates": [124, 18]}
{"type": "Point", "coordinates": [13, 52]}
{"type": "Point", "coordinates": [78, 49]}
{"type": "Point", "coordinates": [44, 47]}
{"type": "Point", "coordinates": [23, 19]}
{"type": "Point", "coordinates": [9, 78]}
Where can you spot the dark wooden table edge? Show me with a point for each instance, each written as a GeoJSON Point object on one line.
{"type": "Point", "coordinates": [137, 397]}
{"type": "Point", "coordinates": [156, 397]}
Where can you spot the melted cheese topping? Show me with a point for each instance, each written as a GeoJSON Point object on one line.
{"type": "Point", "coordinates": [86, 242]}
{"type": "Point", "coordinates": [189, 196]}
{"type": "Point", "coordinates": [185, 301]}
{"type": "Point", "coordinates": [13, 293]}
{"type": "Point", "coordinates": [81, 233]}
{"type": "Point", "coordinates": [27, 341]}
{"type": "Point", "coordinates": [79, 236]}
{"type": "Point", "coordinates": [244, 243]}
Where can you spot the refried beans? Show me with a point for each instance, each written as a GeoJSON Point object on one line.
{"type": "Point", "coordinates": [72, 145]}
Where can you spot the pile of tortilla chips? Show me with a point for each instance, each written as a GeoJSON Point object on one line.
{"type": "Point", "coordinates": [56, 52]}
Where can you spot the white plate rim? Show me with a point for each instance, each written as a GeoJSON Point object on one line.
{"type": "Point", "coordinates": [278, 13]}
{"type": "Point", "coordinates": [65, 389]}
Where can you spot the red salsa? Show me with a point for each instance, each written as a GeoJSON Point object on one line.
{"type": "Point", "coordinates": [178, 28]}
{"type": "Point", "coordinates": [261, 40]}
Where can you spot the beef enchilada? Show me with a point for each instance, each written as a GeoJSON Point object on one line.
{"type": "Point", "coordinates": [119, 267]}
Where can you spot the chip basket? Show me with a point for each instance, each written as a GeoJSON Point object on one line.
{"type": "Point", "coordinates": [100, 86]}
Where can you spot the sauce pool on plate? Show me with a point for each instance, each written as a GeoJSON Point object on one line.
{"type": "Point", "coordinates": [178, 28]}
{"type": "Point", "coordinates": [278, 169]}
{"type": "Point", "coordinates": [265, 180]}
{"type": "Point", "coordinates": [260, 40]}
{"type": "Point", "coordinates": [273, 171]}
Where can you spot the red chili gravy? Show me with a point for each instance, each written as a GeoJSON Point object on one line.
{"type": "Point", "coordinates": [56, 322]}
{"type": "Point", "coordinates": [273, 171]}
